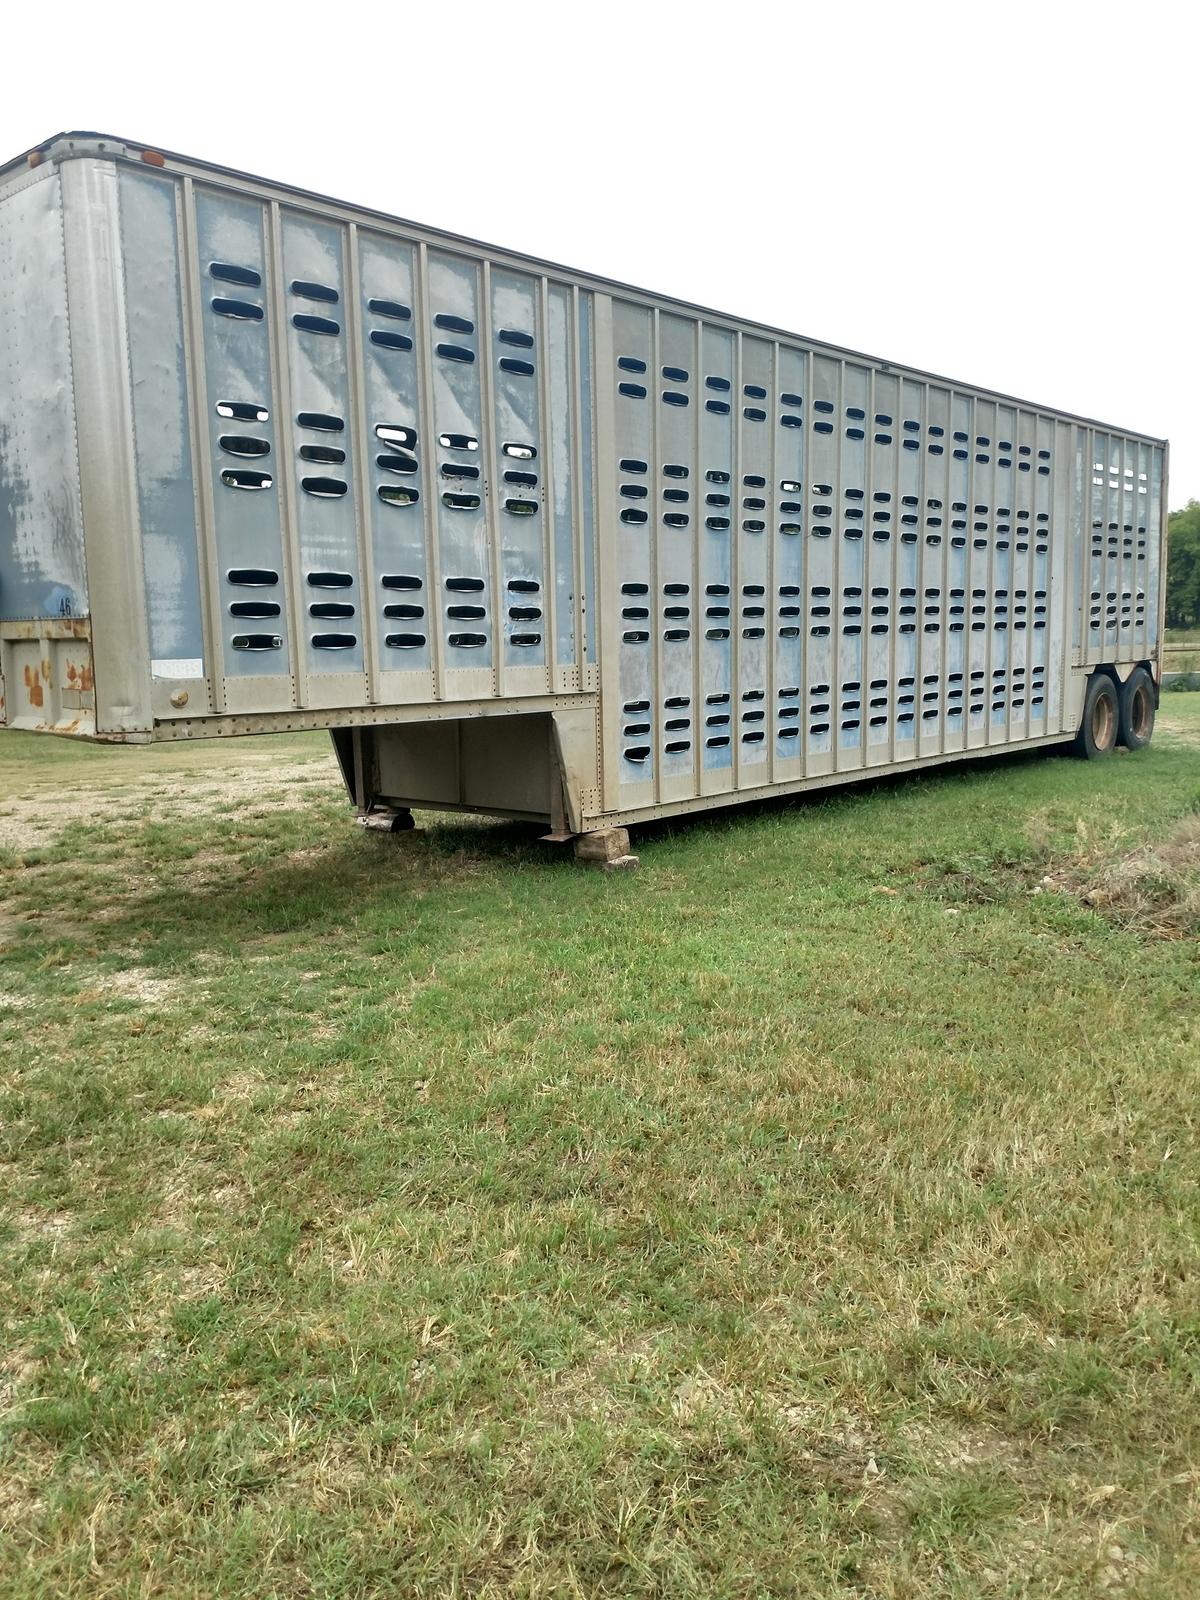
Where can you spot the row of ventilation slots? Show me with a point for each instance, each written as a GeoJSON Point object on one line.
{"type": "Point", "coordinates": [398, 457]}
{"type": "Point", "coordinates": [635, 611]}
{"type": "Point", "coordinates": [790, 417]}
{"type": "Point", "coordinates": [971, 688]}
{"type": "Point", "coordinates": [384, 310]}
{"type": "Point", "coordinates": [400, 441]}
{"type": "Point", "coordinates": [1124, 608]}
{"type": "Point", "coordinates": [523, 594]}
{"type": "Point", "coordinates": [718, 505]}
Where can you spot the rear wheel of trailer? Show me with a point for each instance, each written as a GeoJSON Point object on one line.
{"type": "Point", "coordinates": [1137, 710]}
{"type": "Point", "coordinates": [1097, 734]}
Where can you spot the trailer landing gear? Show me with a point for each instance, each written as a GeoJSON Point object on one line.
{"type": "Point", "coordinates": [607, 848]}
{"type": "Point", "coordinates": [386, 819]}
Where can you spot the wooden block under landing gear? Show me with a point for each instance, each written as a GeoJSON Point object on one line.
{"type": "Point", "coordinates": [383, 819]}
{"type": "Point", "coordinates": [607, 848]}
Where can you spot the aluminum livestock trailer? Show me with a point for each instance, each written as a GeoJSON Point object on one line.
{"type": "Point", "coordinates": [528, 542]}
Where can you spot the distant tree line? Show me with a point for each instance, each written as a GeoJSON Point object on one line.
{"type": "Point", "coordinates": [1183, 567]}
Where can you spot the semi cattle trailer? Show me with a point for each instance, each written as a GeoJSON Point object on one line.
{"type": "Point", "coordinates": [527, 542]}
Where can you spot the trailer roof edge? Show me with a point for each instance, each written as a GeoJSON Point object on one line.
{"type": "Point", "coordinates": [112, 146]}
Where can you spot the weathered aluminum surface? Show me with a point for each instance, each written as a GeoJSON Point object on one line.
{"type": "Point", "coordinates": [41, 528]}
{"type": "Point", "coordinates": [356, 471]}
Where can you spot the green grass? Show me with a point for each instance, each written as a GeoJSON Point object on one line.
{"type": "Point", "coordinates": [812, 1213]}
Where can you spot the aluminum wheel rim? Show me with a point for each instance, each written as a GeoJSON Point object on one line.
{"type": "Point", "coordinates": [1140, 712]}
{"type": "Point", "coordinates": [1103, 722]}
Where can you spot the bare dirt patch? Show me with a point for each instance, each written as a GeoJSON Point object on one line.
{"type": "Point", "coordinates": [258, 785]}
{"type": "Point", "coordinates": [135, 983]}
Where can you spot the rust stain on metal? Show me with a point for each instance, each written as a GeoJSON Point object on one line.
{"type": "Point", "coordinates": [80, 677]}
{"type": "Point", "coordinates": [34, 685]}
{"type": "Point", "coordinates": [48, 628]}
{"type": "Point", "coordinates": [46, 668]}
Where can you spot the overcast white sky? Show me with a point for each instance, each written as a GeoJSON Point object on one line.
{"type": "Point", "coordinates": [1004, 194]}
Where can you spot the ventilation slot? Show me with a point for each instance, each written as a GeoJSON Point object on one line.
{"type": "Point", "coordinates": [330, 611]}
{"type": "Point", "coordinates": [401, 580]}
{"type": "Point", "coordinates": [398, 494]}
{"type": "Point", "coordinates": [242, 478]}
{"type": "Point", "coordinates": [323, 454]}
{"type": "Point", "coordinates": [226, 272]}
{"type": "Point", "coordinates": [405, 641]}
{"type": "Point", "coordinates": [460, 502]}
{"type": "Point", "coordinates": [330, 580]}
{"type": "Point", "coordinates": [315, 291]}
{"type": "Point", "coordinates": [389, 308]}
{"type": "Point", "coordinates": [324, 488]}
{"type": "Point", "coordinates": [242, 411]}
{"type": "Point", "coordinates": [254, 610]}
{"type": "Point", "coordinates": [386, 340]}
{"type": "Point", "coordinates": [238, 445]}
{"type": "Point", "coordinates": [322, 422]}
{"type": "Point", "coordinates": [239, 311]}
{"type": "Point", "coordinates": [311, 324]}
{"type": "Point", "coordinates": [395, 461]}
{"type": "Point", "coordinates": [253, 577]}
{"type": "Point", "coordinates": [256, 641]}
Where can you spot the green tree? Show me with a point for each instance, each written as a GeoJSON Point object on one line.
{"type": "Point", "coordinates": [1183, 566]}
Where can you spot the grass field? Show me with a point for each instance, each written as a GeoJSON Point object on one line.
{"type": "Point", "coordinates": [812, 1213]}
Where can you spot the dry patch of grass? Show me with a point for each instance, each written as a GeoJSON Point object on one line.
{"type": "Point", "coordinates": [1152, 889]}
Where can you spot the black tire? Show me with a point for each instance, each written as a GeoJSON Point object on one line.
{"type": "Point", "coordinates": [1097, 736]}
{"type": "Point", "coordinates": [1137, 710]}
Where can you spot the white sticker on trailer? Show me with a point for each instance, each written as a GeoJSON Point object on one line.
{"type": "Point", "coordinates": [184, 667]}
